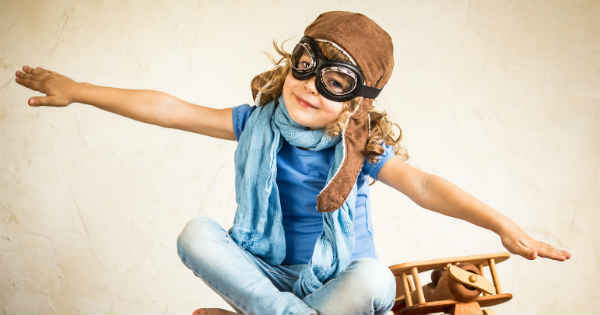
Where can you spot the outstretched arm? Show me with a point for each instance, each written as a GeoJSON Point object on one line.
{"type": "Point", "coordinates": [437, 194]}
{"type": "Point", "coordinates": [149, 106]}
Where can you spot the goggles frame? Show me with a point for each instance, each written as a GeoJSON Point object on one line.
{"type": "Point", "coordinates": [320, 64]}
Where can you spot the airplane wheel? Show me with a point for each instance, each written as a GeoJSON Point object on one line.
{"type": "Point", "coordinates": [461, 292]}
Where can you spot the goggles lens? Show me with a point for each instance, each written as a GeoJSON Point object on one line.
{"type": "Point", "coordinates": [303, 59]}
{"type": "Point", "coordinates": [336, 79]}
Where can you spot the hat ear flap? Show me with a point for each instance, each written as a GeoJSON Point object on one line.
{"type": "Point", "coordinates": [355, 135]}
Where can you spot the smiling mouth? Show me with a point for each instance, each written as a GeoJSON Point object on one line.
{"type": "Point", "coordinates": [305, 103]}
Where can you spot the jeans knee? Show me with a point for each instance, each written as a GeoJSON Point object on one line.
{"type": "Point", "coordinates": [377, 283]}
{"type": "Point", "coordinates": [195, 235]}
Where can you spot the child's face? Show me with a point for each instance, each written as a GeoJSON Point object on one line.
{"type": "Point", "coordinates": [319, 111]}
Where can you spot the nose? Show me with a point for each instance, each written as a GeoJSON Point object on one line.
{"type": "Point", "coordinates": [310, 85]}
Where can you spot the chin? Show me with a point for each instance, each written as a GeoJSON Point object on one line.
{"type": "Point", "coordinates": [301, 118]}
{"type": "Point", "coordinates": [296, 111]}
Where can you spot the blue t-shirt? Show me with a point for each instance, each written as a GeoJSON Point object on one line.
{"type": "Point", "coordinates": [301, 175]}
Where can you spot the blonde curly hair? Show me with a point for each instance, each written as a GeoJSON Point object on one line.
{"type": "Point", "coordinates": [269, 85]}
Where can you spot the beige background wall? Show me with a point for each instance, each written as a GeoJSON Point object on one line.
{"type": "Point", "coordinates": [501, 98]}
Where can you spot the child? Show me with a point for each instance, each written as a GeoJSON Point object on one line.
{"type": "Point", "coordinates": [301, 240]}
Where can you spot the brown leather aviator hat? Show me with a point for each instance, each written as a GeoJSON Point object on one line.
{"type": "Point", "coordinates": [371, 47]}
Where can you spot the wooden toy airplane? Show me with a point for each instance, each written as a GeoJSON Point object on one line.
{"type": "Point", "coordinates": [456, 287]}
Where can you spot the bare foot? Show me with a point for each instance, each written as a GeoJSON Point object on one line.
{"type": "Point", "coordinates": [213, 311]}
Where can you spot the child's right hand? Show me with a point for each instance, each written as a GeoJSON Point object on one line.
{"type": "Point", "coordinates": [58, 88]}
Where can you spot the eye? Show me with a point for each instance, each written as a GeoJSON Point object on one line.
{"type": "Point", "coordinates": [303, 65]}
{"type": "Point", "coordinates": [335, 84]}
{"type": "Point", "coordinates": [336, 80]}
{"type": "Point", "coordinates": [304, 62]}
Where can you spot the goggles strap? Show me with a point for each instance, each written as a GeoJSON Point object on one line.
{"type": "Point", "coordinates": [369, 92]}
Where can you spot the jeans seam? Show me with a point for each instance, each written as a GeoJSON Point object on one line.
{"type": "Point", "coordinates": [211, 283]}
{"type": "Point", "coordinates": [230, 300]}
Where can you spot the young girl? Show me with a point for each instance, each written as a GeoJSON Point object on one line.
{"type": "Point", "coordinates": [301, 241]}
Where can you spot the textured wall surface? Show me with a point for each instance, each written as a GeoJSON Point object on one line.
{"type": "Point", "coordinates": [501, 98]}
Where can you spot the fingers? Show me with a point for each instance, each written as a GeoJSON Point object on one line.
{"type": "Point", "coordinates": [30, 70]}
{"type": "Point", "coordinates": [40, 70]}
{"type": "Point", "coordinates": [36, 101]}
{"type": "Point", "coordinates": [22, 75]}
{"type": "Point", "coordinates": [31, 78]}
{"type": "Point", "coordinates": [530, 249]}
{"type": "Point", "coordinates": [46, 101]}
{"type": "Point", "coordinates": [27, 80]}
{"type": "Point", "coordinates": [24, 80]}
{"type": "Point", "coordinates": [548, 251]}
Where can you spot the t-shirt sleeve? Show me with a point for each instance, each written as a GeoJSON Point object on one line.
{"type": "Point", "coordinates": [372, 169]}
{"type": "Point", "coordinates": [240, 115]}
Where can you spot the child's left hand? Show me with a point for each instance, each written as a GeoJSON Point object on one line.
{"type": "Point", "coordinates": [518, 242]}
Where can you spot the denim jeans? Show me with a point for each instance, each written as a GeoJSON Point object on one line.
{"type": "Point", "coordinates": [252, 286]}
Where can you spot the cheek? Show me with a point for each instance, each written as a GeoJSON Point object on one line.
{"type": "Point", "coordinates": [334, 108]}
{"type": "Point", "coordinates": [285, 88]}
{"type": "Point", "coordinates": [289, 83]}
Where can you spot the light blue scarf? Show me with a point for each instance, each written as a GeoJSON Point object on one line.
{"type": "Point", "coordinates": [257, 226]}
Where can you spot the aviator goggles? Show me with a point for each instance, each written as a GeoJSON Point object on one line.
{"type": "Point", "coordinates": [335, 80]}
